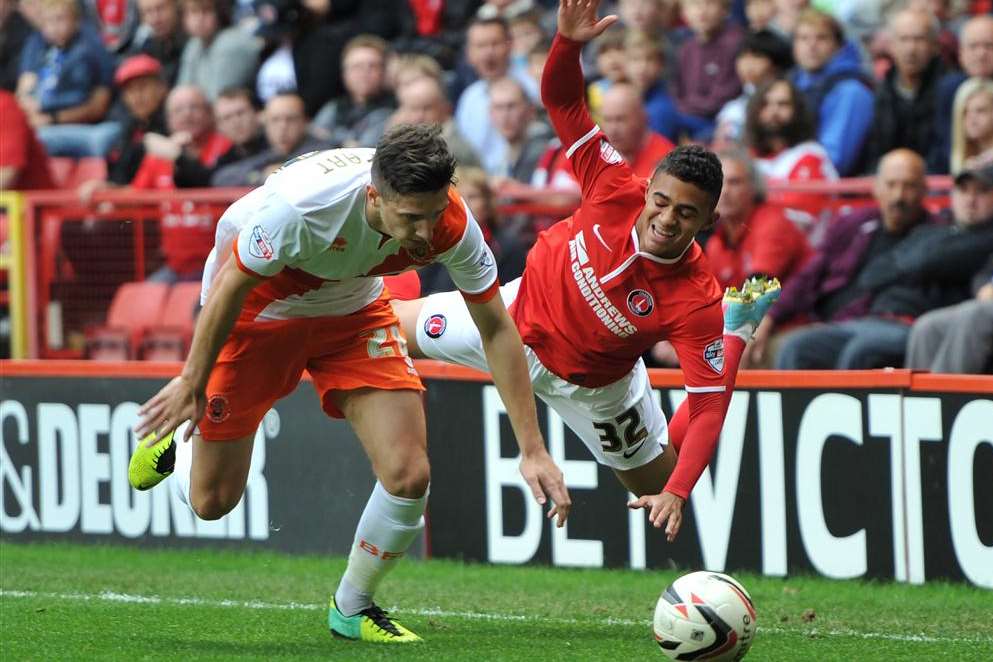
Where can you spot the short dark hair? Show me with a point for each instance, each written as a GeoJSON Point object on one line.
{"type": "Point", "coordinates": [799, 129]}
{"type": "Point", "coordinates": [767, 44]}
{"type": "Point", "coordinates": [694, 165]}
{"type": "Point", "coordinates": [412, 158]}
{"type": "Point", "coordinates": [500, 21]}
{"type": "Point", "coordinates": [238, 92]}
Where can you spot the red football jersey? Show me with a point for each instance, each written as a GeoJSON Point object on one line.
{"type": "Point", "coordinates": [590, 302]}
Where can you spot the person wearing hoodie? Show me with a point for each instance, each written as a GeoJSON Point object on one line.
{"type": "Point", "coordinates": [838, 92]}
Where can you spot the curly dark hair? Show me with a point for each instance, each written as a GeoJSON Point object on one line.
{"type": "Point", "coordinates": [412, 158]}
{"type": "Point", "coordinates": [797, 130]}
{"type": "Point", "coordinates": [695, 165]}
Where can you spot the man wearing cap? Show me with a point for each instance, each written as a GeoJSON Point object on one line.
{"type": "Point", "coordinates": [910, 266]}
{"type": "Point", "coordinates": [143, 91]}
{"type": "Point", "coordinates": [959, 338]}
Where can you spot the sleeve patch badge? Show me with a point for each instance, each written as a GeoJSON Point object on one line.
{"type": "Point", "coordinates": [261, 245]}
{"type": "Point", "coordinates": [609, 154]}
{"type": "Point", "coordinates": [713, 354]}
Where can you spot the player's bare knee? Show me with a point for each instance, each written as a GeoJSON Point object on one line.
{"type": "Point", "coordinates": [409, 480]}
{"type": "Point", "coordinates": [214, 504]}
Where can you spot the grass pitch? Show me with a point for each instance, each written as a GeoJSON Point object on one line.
{"type": "Point", "coordinates": [62, 602]}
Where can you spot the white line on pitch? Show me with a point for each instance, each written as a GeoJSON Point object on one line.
{"type": "Point", "coordinates": [111, 596]}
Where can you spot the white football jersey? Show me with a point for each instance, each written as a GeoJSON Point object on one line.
{"type": "Point", "coordinates": [306, 233]}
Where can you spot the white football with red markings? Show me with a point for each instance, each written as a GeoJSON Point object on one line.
{"type": "Point", "coordinates": [705, 616]}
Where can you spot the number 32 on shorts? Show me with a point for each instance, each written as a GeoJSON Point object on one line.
{"type": "Point", "coordinates": [628, 424]}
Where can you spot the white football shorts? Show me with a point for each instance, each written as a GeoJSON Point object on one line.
{"type": "Point", "coordinates": [620, 423]}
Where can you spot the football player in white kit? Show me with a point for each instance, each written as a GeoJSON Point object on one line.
{"type": "Point", "coordinates": [294, 282]}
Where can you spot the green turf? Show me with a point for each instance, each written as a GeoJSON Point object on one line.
{"type": "Point", "coordinates": [66, 602]}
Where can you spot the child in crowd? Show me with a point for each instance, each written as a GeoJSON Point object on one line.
{"type": "Point", "coordinates": [760, 14]}
{"type": "Point", "coordinates": [64, 85]}
{"type": "Point", "coordinates": [645, 68]}
{"type": "Point", "coordinates": [611, 66]}
{"type": "Point", "coordinates": [525, 34]}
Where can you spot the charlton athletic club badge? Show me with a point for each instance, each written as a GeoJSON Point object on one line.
{"type": "Point", "coordinates": [435, 325]}
{"type": "Point", "coordinates": [714, 355]}
{"type": "Point", "coordinates": [641, 303]}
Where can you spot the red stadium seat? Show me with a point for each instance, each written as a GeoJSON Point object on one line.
{"type": "Point", "coordinates": [135, 307]}
{"type": "Point", "coordinates": [69, 173]}
{"type": "Point", "coordinates": [169, 339]}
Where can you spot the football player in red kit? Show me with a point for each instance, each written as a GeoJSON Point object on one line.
{"type": "Point", "coordinates": [603, 286]}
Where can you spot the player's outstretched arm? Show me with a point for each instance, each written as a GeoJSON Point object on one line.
{"type": "Point", "coordinates": [184, 398]}
{"type": "Point", "coordinates": [563, 89]}
{"type": "Point", "coordinates": [505, 356]}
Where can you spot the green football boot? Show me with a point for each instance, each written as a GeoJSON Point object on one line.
{"type": "Point", "coordinates": [371, 624]}
{"type": "Point", "coordinates": [149, 466]}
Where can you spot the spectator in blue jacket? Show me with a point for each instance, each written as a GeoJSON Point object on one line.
{"type": "Point", "coordinates": [64, 85]}
{"type": "Point", "coordinates": [830, 75]}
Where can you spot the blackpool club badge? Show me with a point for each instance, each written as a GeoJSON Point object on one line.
{"type": "Point", "coordinates": [641, 303]}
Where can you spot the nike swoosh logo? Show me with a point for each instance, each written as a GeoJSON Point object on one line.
{"type": "Point", "coordinates": [634, 450]}
{"type": "Point", "coordinates": [596, 231]}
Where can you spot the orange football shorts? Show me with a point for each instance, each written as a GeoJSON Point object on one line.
{"type": "Point", "coordinates": [263, 361]}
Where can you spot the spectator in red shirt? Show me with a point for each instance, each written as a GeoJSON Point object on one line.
{"type": "Point", "coordinates": [752, 237]}
{"type": "Point", "coordinates": [779, 131]}
{"type": "Point", "coordinates": [187, 230]}
{"type": "Point", "coordinates": [624, 120]}
{"type": "Point", "coordinates": [23, 161]}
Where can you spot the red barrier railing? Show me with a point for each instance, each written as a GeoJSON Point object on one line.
{"type": "Point", "coordinates": [69, 283]}
{"type": "Point", "coordinates": [428, 369]}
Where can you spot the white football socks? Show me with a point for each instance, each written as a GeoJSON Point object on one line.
{"type": "Point", "coordinates": [388, 527]}
{"type": "Point", "coordinates": [181, 473]}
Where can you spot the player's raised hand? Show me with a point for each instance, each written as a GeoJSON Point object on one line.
{"type": "Point", "coordinates": [176, 403]}
{"type": "Point", "coordinates": [577, 19]}
{"type": "Point", "coordinates": [665, 508]}
{"type": "Point", "coordinates": [545, 478]}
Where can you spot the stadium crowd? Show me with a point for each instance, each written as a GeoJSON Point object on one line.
{"type": "Point", "coordinates": [174, 94]}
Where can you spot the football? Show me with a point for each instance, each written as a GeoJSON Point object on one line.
{"type": "Point", "coordinates": [705, 616]}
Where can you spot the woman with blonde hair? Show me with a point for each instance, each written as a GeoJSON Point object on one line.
{"type": "Point", "coordinates": [972, 125]}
